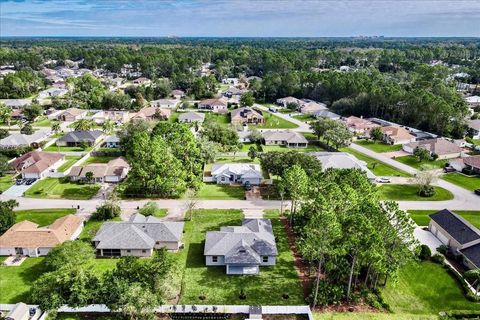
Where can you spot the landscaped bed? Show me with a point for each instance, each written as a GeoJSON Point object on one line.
{"type": "Point", "coordinates": [409, 192]}
{"type": "Point", "coordinates": [413, 162]}
{"type": "Point", "coordinates": [42, 217]}
{"type": "Point", "coordinates": [421, 217]}
{"type": "Point", "coordinates": [377, 167]}
{"type": "Point", "coordinates": [216, 287]}
{"type": "Point", "coordinates": [52, 188]}
{"type": "Point", "coordinates": [379, 146]}
{"type": "Point", "coordinates": [468, 182]}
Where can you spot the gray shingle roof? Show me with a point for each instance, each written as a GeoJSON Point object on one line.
{"type": "Point", "coordinates": [456, 226]}
{"type": "Point", "coordinates": [77, 136]}
{"type": "Point", "coordinates": [473, 254]}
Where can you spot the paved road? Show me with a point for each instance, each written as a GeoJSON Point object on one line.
{"type": "Point", "coordinates": [302, 126]}
{"type": "Point", "coordinates": [463, 199]}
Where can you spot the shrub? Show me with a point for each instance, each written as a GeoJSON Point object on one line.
{"type": "Point", "coordinates": [443, 249]}
{"type": "Point", "coordinates": [438, 258]}
{"type": "Point", "coordinates": [426, 191]}
{"type": "Point", "coordinates": [425, 252]}
{"type": "Point", "coordinates": [106, 211]}
{"type": "Point", "coordinates": [149, 209]}
{"type": "Point", "coordinates": [328, 294]}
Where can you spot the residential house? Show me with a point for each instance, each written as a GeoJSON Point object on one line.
{"type": "Point", "coordinates": [141, 81]}
{"type": "Point", "coordinates": [342, 160]}
{"type": "Point", "coordinates": [290, 139]}
{"type": "Point", "coordinates": [72, 114]}
{"type": "Point", "coordinates": [112, 172]}
{"type": "Point", "coordinates": [28, 239]}
{"type": "Point", "coordinates": [244, 136]}
{"type": "Point", "coordinates": [458, 234]}
{"type": "Point", "coordinates": [52, 92]}
{"type": "Point", "coordinates": [151, 113]}
{"type": "Point", "coordinates": [77, 138]}
{"type": "Point", "coordinates": [36, 164]}
{"type": "Point", "coordinates": [190, 117]}
{"type": "Point", "coordinates": [474, 128]}
{"type": "Point", "coordinates": [119, 117]}
{"type": "Point", "coordinates": [246, 115]}
{"type": "Point", "coordinates": [312, 107]}
{"type": "Point", "coordinates": [396, 135]}
{"type": "Point", "coordinates": [177, 94]}
{"type": "Point", "coordinates": [112, 141]}
{"type": "Point", "coordinates": [165, 103]}
{"type": "Point", "coordinates": [440, 147]}
{"type": "Point", "coordinates": [16, 140]}
{"type": "Point", "coordinates": [16, 103]}
{"type": "Point", "coordinates": [359, 125]}
{"type": "Point", "coordinates": [242, 249]}
{"type": "Point", "coordinates": [217, 105]}
{"type": "Point", "coordinates": [471, 163]}
{"type": "Point", "coordinates": [232, 81]}
{"type": "Point", "coordinates": [289, 100]}
{"type": "Point", "coordinates": [17, 114]}
{"type": "Point", "coordinates": [326, 114]}
{"type": "Point", "coordinates": [137, 237]}
{"type": "Point", "coordinates": [20, 311]}
{"type": "Point", "coordinates": [227, 173]}
{"type": "Point", "coordinates": [233, 92]}
{"type": "Point", "coordinates": [473, 101]}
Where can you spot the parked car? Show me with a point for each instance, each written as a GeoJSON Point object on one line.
{"type": "Point", "coordinates": [449, 169]}
{"type": "Point", "coordinates": [247, 186]}
{"type": "Point", "coordinates": [20, 182]}
{"type": "Point", "coordinates": [272, 109]}
{"type": "Point", "coordinates": [477, 191]}
{"type": "Point", "coordinates": [383, 180]}
{"type": "Point", "coordinates": [30, 181]}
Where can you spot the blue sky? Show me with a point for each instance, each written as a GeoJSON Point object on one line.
{"type": "Point", "coordinates": [258, 18]}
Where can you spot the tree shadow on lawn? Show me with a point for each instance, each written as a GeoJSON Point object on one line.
{"type": "Point", "coordinates": [29, 275]}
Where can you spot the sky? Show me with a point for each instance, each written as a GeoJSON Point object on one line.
{"type": "Point", "coordinates": [240, 18]}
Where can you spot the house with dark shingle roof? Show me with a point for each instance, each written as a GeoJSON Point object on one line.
{"type": "Point", "coordinates": [458, 234]}
{"type": "Point", "coordinates": [242, 249]}
{"type": "Point", "coordinates": [137, 237]}
{"type": "Point", "coordinates": [75, 138]}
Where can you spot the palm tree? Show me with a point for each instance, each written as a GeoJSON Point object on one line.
{"type": "Point", "coordinates": [108, 126]}
{"type": "Point", "coordinates": [56, 126]}
{"type": "Point", "coordinates": [5, 114]}
{"type": "Point", "coordinates": [83, 125]}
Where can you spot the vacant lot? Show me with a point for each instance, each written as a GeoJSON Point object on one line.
{"type": "Point", "coordinates": [213, 191]}
{"type": "Point", "coordinates": [377, 167]}
{"type": "Point", "coordinates": [97, 159]}
{"type": "Point", "coordinates": [467, 182]}
{"type": "Point", "coordinates": [69, 161]}
{"type": "Point", "coordinates": [379, 146]}
{"type": "Point", "coordinates": [274, 122]}
{"type": "Point", "coordinates": [421, 217]}
{"type": "Point", "coordinates": [52, 188]}
{"type": "Point", "coordinates": [409, 192]}
{"type": "Point", "coordinates": [218, 288]}
{"type": "Point", "coordinates": [223, 119]}
{"type": "Point", "coordinates": [42, 217]}
{"type": "Point", "coordinates": [425, 288]}
{"type": "Point", "coordinates": [42, 122]}
{"type": "Point", "coordinates": [413, 162]}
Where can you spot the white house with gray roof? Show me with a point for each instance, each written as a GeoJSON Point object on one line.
{"type": "Point", "coordinates": [137, 237]}
{"type": "Point", "coordinates": [227, 173]}
{"type": "Point", "coordinates": [242, 249]}
{"type": "Point", "coordinates": [342, 160]}
{"type": "Point", "coordinates": [190, 117]}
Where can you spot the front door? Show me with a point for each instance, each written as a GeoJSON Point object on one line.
{"type": "Point", "coordinates": [19, 251]}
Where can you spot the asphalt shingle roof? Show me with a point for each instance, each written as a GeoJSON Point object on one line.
{"type": "Point", "coordinates": [473, 254]}
{"type": "Point", "coordinates": [456, 226]}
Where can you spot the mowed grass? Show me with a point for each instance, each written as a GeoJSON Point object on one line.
{"type": "Point", "coordinates": [223, 119]}
{"type": "Point", "coordinates": [377, 167]}
{"type": "Point", "coordinates": [69, 161]}
{"type": "Point", "coordinates": [54, 148]}
{"type": "Point", "coordinates": [213, 191]}
{"type": "Point", "coordinates": [310, 148]}
{"type": "Point", "coordinates": [42, 217]}
{"type": "Point", "coordinates": [413, 162]}
{"type": "Point", "coordinates": [52, 188]}
{"type": "Point", "coordinates": [468, 182]}
{"type": "Point", "coordinates": [378, 146]}
{"type": "Point", "coordinates": [370, 316]}
{"type": "Point", "coordinates": [421, 217]}
{"type": "Point", "coordinates": [409, 192]}
{"type": "Point", "coordinates": [6, 182]}
{"type": "Point", "coordinates": [97, 159]}
{"type": "Point", "coordinates": [425, 288]}
{"type": "Point", "coordinates": [91, 227]}
{"type": "Point", "coordinates": [266, 288]}
{"type": "Point", "coordinates": [274, 122]}
{"type": "Point", "coordinates": [43, 122]}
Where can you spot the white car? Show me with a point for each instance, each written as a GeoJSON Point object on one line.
{"type": "Point", "coordinates": [383, 180]}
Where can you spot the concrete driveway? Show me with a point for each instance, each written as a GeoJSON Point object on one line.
{"type": "Point", "coordinates": [426, 237]}
{"type": "Point", "coordinates": [17, 191]}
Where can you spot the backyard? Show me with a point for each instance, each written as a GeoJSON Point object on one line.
{"type": "Point", "coordinates": [421, 217]}
{"type": "Point", "coordinates": [377, 167]}
{"type": "Point", "coordinates": [468, 182]}
{"type": "Point", "coordinates": [219, 288]}
{"type": "Point", "coordinates": [52, 188]}
{"type": "Point", "coordinates": [413, 162]}
{"type": "Point", "coordinates": [213, 191]}
{"type": "Point", "coordinates": [221, 118]}
{"type": "Point", "coordinates": [408, 192]}
{"type": "Point", "coordinates": [42, 217]}
{"type": "Point", "coordinates": [69, 161]}
{"type": "Point", "coordinates": [91, 227]}
{"type": "Point", "coordinates": [97, 159]}
{"type": "Point", "coordinates": [378, 146]}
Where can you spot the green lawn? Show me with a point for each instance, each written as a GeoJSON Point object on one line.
{"type": "Point", "coordinates": [409, 192]}
{"type": "Point", "coordinates": [42, 217]}
{"type": "Point", "coordinates": [310, 148]}
{"type": "Point", "coordinates": [52, 188]}
{"type": "Point", "coordinates": [378, 146]}
{"type": "Point", "coordinates": [213, 191]}
{"type": "Point", "coordinates": [468, 182]}
{"type": "Point", "coordinates": [54, 148]}
{"type": "Point", "coordinates": [266, 288]}
{"type": "Point", "coordinates": [304, 117]}
{"type": "Point", "coordinates": [16, 281]}
{"type": "Point", "coordinates": [223, 119]}
{"type": "Point", "coordinates": [6, 182]}
{"type": "Point", "coordinates": [91, 227]}
{"type": "Point", "coordinates": [425, 288]}
{"type": "Point", "coordinates": [370, 316]}
{"type": "Point", "coordinates": [97, 159]}
{"type": "Point", "coordinates": [237, 159]}
{"type": "Point", "coordinates": [421, 217]}
{"type": "Point", "coordinates": [42, 122]}
{"type": "Point", "coordinates": [69, 161]}
{"type": "Point", "coordinates": [413, 162]}
{"type": "Point", "coordinates": [377, 167]}
{"type": "Point", "coordinates": [272, 121]}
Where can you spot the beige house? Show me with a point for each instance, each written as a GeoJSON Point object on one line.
{"type": "Point", "coordinates": [290, 139]}
{"type": "Point", "coordinates": [217, 105]}
{"type": "Point", "coordinates": [359, 125]}
{"type": "Point", "coordinates": [472, 163]}
{"type": "Point", "coordinates": [37, 164]}
{"type": "Point", "coordinates": [289, 100]}
{"type": "Point", "coordinates": [28, 239]}
{"type": "Point", "coordinates": [165, 103]}
{"type": "Point", "coordinates": [118, 117]}
{"type": "Point", "coordinates": [72, 114]}
{"type": "Point", "coordinates": [396, 135]}
{"type": "Point", "coordinates": [312, 107]}
{"type": "Point", "coordinates": [443, 148]}
{"type": "Point", "coordinates": [246, 115]}
{"type": "Point", "coordinates": [114, 171]}
{"type": "Point", "coordinates": [151, 113]}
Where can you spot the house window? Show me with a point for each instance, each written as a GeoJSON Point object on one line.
{"type": "Point", "coordinates": [214, 259]}
{"type": "Point", "coordinates": [264, 259]}
{"type": "Point", "coordinates": [158, 242]}
{"type": "Point", "coordinates": [128, 251]}
{"type": "Point", "coordinates": [144, 251]}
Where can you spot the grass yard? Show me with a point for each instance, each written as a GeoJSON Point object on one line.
{"type": "Point", "coordinates": [213, 191]}
{"type": "Point", "coordinates": [371, 316]}
{"type": "Point", "coordinates": [378, 146]}
{"type": "Point", "coordinates": [237, 159]}
{"type": "Point", "coordinates": [54, 148]}
{"type": "Point", "coordinates": [97, 159]}
{"type": "Point", "coordinates": [304, 117]}
{"type": "Point", "coordinates": [69, 161]}
{"type": "Point", "coordinates": [6, 182]}
{"type": "Point", "coordinates": [42, 122]}
{"type": "Point", "coordinates": [223, 119]}
{"type": "Point", "coordinates": [91, 227]}
{"type": "Point", "coordinates": [272, 121]}
{"type": "Point", "coordinates": [468, 182]}
{"type": "Point", "coordinates": [310, 148]}
{"type": "Point", "coordinates": [377, 167]}
{"type": "Point", "coordinates": [42, 217]}
{"type": "Point", "coordinates": [409, 192]}
{"type": "Point", "coordinates": [421, 217]}
{"type": "Point", "coordinates": [413, 162]}
{"type": "Point", "coordinates": [266, 288]}
{"type": "Point", "coordinates": [425, 288]}
{"type": "Point", "coordinates": [52, 188]}
{"type": "Point", "coordinates": [16, 281]}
